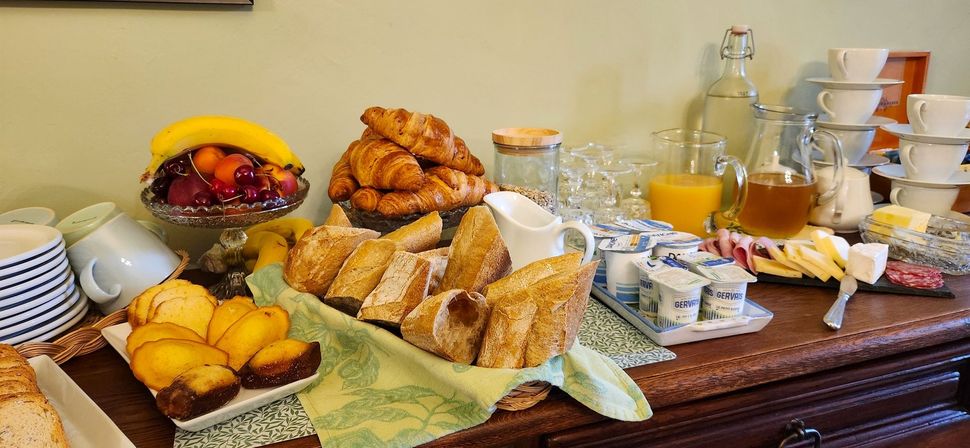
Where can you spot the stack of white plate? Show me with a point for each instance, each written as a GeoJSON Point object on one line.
{"type": "Point", "coordinates": [38, 296]}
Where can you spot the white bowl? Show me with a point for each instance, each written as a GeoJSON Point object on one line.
{"type": "Point", "coordinates": [14, 306]}
{"type": "Point", "coordinates": [19, 242]}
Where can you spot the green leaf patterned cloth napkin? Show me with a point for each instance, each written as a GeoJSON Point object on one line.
{"type": "Point", "coordinates": [376, 389]}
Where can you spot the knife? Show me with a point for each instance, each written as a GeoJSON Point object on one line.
{"type": "Point", "coordinates": [833, 318]}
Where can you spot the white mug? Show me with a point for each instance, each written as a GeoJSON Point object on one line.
{"type": "Point", "coordinates": [852, 203]}
{"type": "Point", "coordinates": [930, 162]}
{"type": "Point", "coordinates": [943, 115]}
{"type": "Point", "coordinates": [935, 200]}
{"type": "Point", "coordinates": [856, 64]}
{"type": "Point", "coordinates": [849, 106]}
{"type": "Point", "coordinates": [855, 143]}
{"type": "Point", "coordinates": [30, 215]}
{"type": "Point", "coordinates": [118, 260]}
{"type": "Point", "coordinates": [530, 232]}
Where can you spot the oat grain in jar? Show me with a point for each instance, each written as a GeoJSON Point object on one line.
{"type": "Point", "coordinates": [527, 162]}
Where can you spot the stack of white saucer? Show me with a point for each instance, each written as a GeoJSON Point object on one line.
{"type": "Point", "coordinates": [38, 296]}
{"type": "Point", "coordinates": [849, 98]}
{"type": "Point", "coordinates": [931, 148]}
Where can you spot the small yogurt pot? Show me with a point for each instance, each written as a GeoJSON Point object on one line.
{"type": "Point", "coordinates": [603, 232]}
{"type": "Point", "coordinates": [649, 296]}
{"type": "Point", "coordinates": [726, 295]}
{"type": "Point", "coordinates": [702, 258]}
{"type": "Point", "coordinates": [680, 296]}
{"type": "Point", "coordinates": [644, 225]}
{"type": "Point", "coordinates": [622, 275]}
{"type": "Point", "coordinates": [675, 244]}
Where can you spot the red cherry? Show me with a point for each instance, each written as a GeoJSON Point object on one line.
{"type": "Point", "coordinates": [267, 195]}
{"type": "Point", "coordinates": [203, 199]}
{"type": "Point", "coordinates": [250, 194]}
{"type": "Point", "coordinates": [216, 185]}
{"type": "Point", "coordinates": [244, 175]}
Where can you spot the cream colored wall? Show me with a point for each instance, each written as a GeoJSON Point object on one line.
{"type": "Point", "coordinates": [83, 88]}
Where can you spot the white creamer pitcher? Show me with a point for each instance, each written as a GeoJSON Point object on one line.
{"type": "Point", "coordinates": [530, 232]}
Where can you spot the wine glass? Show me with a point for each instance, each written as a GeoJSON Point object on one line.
{"type": "Point", "coordinates": [595, 187]}
{"type": "Point", "coordinates": [635, 205]}
{"type": "Point", "coordinates": [609, 210]}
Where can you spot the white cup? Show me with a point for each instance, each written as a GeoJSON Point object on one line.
{"type": "Point", "coordinates": [934, 200]}
{"type": "Point", "coordinates": [930, 162]}
{"type": "Point", "coordinates": [82, 222]}
{"type": "Point", "coordinates": [856, 64]}
{"type": "Point", "coordinates": [849, 106]}
{"type": "Point", "coordinates": [118, 260]}
{"type": "Point", "coordinates": [855, 143]}
{"type": "Point", "coordinates": [30, 215]}
{"type": "Point", "coordinates": [944, 115]}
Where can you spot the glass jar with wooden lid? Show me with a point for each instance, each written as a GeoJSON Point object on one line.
{"type": "Point", "coordinates": [527, 162]}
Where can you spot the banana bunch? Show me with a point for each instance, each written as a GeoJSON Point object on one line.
{"type": "Point", "coordinates": [203, 130]}
{"type": "Point", "coordinates": [270, 241]}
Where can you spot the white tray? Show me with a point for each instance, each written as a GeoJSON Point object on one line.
{"type": "Point", "coordinates": [755, 318]}
{"type": "Point", "coordinates": [247, 400]}
{"type": "Point", "coordinates": [85, 424]}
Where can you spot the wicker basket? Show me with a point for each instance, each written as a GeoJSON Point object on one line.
{"type": "Point", "coordinates": [525, 396]}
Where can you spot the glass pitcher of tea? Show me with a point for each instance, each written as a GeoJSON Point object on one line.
{"type": "Point", "coordinates": [781, 175]}
{"type": "Point", "coordinates": [686, 191]}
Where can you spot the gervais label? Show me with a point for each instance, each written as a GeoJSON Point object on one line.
{"type": "Point", "coordinates": [725, 296]}
{"type": "Point", "coordinates": [679, 296]}
{"type": "Point", "coordinates": [649, 295]}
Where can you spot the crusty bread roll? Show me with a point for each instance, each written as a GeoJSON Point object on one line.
{"type": "Point", "coordinates": [420, 235]}
{"type": "Point", "coordinates": [529, 274]}
{"type": "Point", "coordinates": [560, 300]}
{"type": "Point", "coordinates": [362, 271]}
{"type": "Point", "coordinates": [337, 217]}
{"type": "Point", "coordinates": [403, 286]}
{"type": "Point", "coordinates": [316, 258]}
{"type": "Point", "coordinates": [449, 324]}
{"type": "Point", "coordinates": [439, 262]}
{"type": "Point", "coordinates": [478, 254]}
{"type": "Point", "coordinates": [504, 342]}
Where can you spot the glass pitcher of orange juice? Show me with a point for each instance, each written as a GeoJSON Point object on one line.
{"type": "Point", "coordinates": [686, 192]}
{"type": "Point", "coordinates": [781, 175]}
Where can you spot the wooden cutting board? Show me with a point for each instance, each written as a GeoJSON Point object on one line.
{"type": "Point", "coordinates": [881, 285]}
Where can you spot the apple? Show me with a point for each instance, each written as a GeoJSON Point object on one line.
{"type": "Point", "coordinates": [183, 189]}
{"type": "Point", "coordinates": [284, 180]}
{"type": "Point", "coordinates": [206, 158]}
{"type": "Point", "coordinates": [226, 167]}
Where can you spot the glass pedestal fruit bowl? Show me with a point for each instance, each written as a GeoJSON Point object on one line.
{"type": "Point", "coordinates": [233, 219]}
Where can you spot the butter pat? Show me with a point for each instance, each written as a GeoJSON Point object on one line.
{"type": "Point", "coordinates": [867, 262]}
{"type": "Point", "coordinates": [902, 217]}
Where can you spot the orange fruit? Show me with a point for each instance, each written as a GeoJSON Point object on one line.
{"type": "Point", "coordinates": [226, 168]}
{"type": "Point", "coordinates": [206, 158]}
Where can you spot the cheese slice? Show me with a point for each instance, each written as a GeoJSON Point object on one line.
{"type": "Point", "coordinates": [791, 251]}
{"type": "Point", "coordinates": [867, 262]}
{"type": "Point", "coordinates": [773, 267]}
{"type": "Point", "coordinates": [779, 256]}
{"type": "Point", "coordinates": [837, 248]}
{"type": "Point", "coordinates": [821, 261]}
{"type": "Point", "coordinates": [895, 215]}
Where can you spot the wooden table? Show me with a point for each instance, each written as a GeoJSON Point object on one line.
{"type": "Point", "coordinates": [895, 372]}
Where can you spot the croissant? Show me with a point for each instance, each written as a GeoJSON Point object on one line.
{"type": "Point", "coordinates": [445, 189]}
{"type": "Point", "coordinates": [425, 135]}
{"type": "Point", "coordinates": [366, 199]}
{"type": "Point", "coordinates": [342, 182]}
{"type": "Point", "coordinates": [381, 163]}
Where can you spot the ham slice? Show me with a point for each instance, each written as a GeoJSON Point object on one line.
{"type": "Point", "coordinates": [742, 252]}
{"type": "Point", "coordinates": [724, 243]}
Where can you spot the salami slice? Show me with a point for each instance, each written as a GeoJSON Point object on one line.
{"type": "Point", "coordinates": [913, 275]}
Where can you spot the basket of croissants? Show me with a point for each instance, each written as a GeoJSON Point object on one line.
{"type": "Point", "coordinates": [403, 166]}
{"type": "Point", "coordinates": [462, 302]}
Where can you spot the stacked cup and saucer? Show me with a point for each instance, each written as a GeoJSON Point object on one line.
{"type": "Point", "coordinates": [848, 99]}
{"type": "Point", "coordinates": [931, 148]}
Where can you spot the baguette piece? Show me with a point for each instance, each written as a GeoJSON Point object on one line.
{"type": "Point", "coordinates": [403, 286]}
{"type": "Point", "coordinates": [506, 334]}
{"type": "Point", "coordinates": [316, 258]}
{"type": "Point", "coordinates": [17, 385]}
{"type": "Point", "coordinates": [420, 235]}
{"type": "Point", "coordinates": [528, 275]}
{"type": "Point", "coordinates": [561, 300]}
{"type": "Point", "coordinates": [27, 420]}
{"type": "Point", "coordinates": [478, 254]}
{"type": "Point", "coordinates": [439, 263]}
{"type": "Point", "coordinates": [449, 324]}
{"type": "Point", "coordinates": [337, 217]}
{"type": "Point", "coordinates": [362, 271]}
{"type": "Point", "coordinates": [198, 391]}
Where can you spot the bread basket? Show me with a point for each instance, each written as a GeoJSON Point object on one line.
{"type": "Point", "coordinates": [525, 396]}
{"type": "Point", "coordinates": [383, 224]}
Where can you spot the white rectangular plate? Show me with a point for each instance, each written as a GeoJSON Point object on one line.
{"type": "Point", "coordinates": [755, 318]}
{"type": "Point", "coordinates": [247, 400]}
{"type": "Point", "coordinates": [85, 424]}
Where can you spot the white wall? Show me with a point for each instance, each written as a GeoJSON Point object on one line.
{"type": "Point", "coordinates": [83, 87]}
